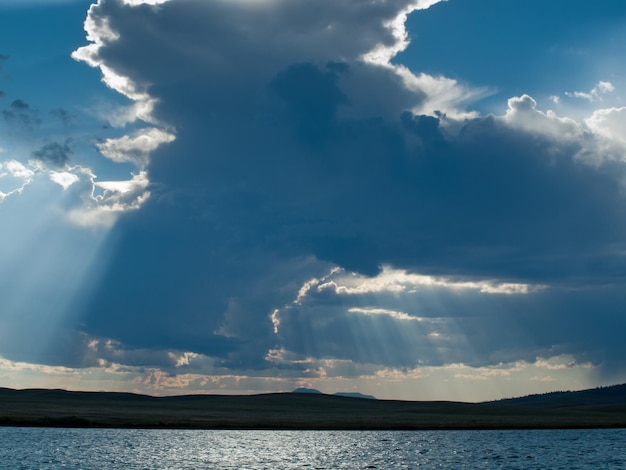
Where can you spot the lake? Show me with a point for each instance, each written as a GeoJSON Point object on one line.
{"type": "Point", "coordinates": [51, 448]}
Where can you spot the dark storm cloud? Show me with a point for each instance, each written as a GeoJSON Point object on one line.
{"type": "Point", "coordinates": [312, 97]}
{"type": "Point", "coordinates": [54, 155]}
{"type": "Point", "coordinates": [292, 155]}
{"type": "Point", "coordinates": [488, 202]}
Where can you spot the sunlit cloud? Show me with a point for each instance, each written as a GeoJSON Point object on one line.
{"type": "Point", "coordinates": [393, 317]}
{"type": "Point", "coordinates": [135, 148]}
{"type": "Point", "coordinates": [145, 2]}
{"type": "Point", "coordinates": [595, 94]}
{"type": "Point", "coordinates": [14, 177]}
{"type": "Point", "coordinates": [597, 140]}
{"type": "Point", "coordinates": [15, 169]}
{"type": "Point", "coordinates": [65, 179]}
{"type": "Point", "coordinates": [522, 113]}
{"type": "Point", "coordinates": [561, 362]}
{"type": "Point", "coordinates": [384, 311]}
{"type": "Point", "coordinates": [444, 96]}
{"type": "Point", "coordinates": [107, 199]}
{"type": "Point", "coordinates": [397, 281]}
{"type": "Point", "coordinates": [382, 54]}
{"type": "Point", "coordinates": [100, 34]}
{"type": "Point", "coordinates": [610, 123]}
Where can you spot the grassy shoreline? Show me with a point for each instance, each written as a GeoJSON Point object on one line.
{"type": "Point", "coordinates": [286, 411]}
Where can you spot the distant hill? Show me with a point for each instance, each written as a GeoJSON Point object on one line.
{"type": "Point", "coordinates": [597, 408]}
{"type": "Point", "coordinates": [306, 390]}
{"type": "Point", "coordinates": [339, 394]}
{"type": "Point", "coordinates": [613, 395]}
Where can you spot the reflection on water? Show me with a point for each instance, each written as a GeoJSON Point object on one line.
{"type": "Point", "coordinates": [48, 448]}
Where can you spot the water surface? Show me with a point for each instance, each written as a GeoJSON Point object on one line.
{"type": "Point", "coordinates": [51, 448]}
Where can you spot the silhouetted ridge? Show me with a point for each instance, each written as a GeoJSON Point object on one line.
{"type": "Point", "coordinates": [598, 408]}
{"type": "Point", "coordinates": [611, 395]}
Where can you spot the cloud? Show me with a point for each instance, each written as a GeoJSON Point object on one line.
{"type": "Point", "coordinates": [329, 37]}
{"type": "Point", "coordinates": [451, 382]}
{"type": "Point", "coordinates": [383, 311]}
{"type": "Point", "coordinates": [609, 123]}
{"type": "Point", "coordinates": [402, 319]}
{"type": "Point", "coordinates": [65, 179]}
{"type": "Point", "coordinates": [289, 152]}
{"type": "Point", "coordinates": [89, 198]}
{"type": "Point", "coordinates": [595, 93]}
{"type": "Point", "coordinates": [437, 325]}
{"type": "Point", "coordinates": [104, 201]}
{"type": "Point", "coordinates": [64, 116]}
{"type": "Point", "coordinates": [22, 115]}
{"type": "Point", "coordinates": [16, 169]}
{"type": "Point", "coordinates": [397, 281]}
{"type": "Point", "coordinates": [14, 177]}
{"type": "Point", "coordinates": [522, 113]}
{"type": "Point", "coordinates": [135, 148]}
{"type": "Point", "coordinates": [91, 204]}
{"type": "Point", "coordinates": [319, 212]}
{"type": "Point", "coordinates": [53, 155]}
{"type": "Point", "coordinates": [145, 2]}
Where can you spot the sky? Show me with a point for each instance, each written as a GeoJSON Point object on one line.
{"type": "Point", "coordinates": [413, 199]}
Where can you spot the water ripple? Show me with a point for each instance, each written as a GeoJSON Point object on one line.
{"type": "Point", "coordinates": [48, 448]}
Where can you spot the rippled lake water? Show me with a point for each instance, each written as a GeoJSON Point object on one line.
{"type": "Point", "coordinates": [50, 448]}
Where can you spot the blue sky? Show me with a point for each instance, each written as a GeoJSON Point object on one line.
{"type": "Point", "coordinates": [411, 199]}
{"type": "Point", "coordinates": [542, 48]}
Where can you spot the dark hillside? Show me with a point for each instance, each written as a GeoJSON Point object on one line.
{"type": "Point", "coordinates": [613, 395]}
{"type": "Point", "coordinates": [61, 408]}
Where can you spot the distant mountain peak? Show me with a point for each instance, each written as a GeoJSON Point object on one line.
{"type": "Point", "coordinates": [338, 394]}
{"type": "Point", "coordinates": [306, 390]}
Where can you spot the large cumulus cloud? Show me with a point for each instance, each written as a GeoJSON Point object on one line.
{"type": "Point", "coordinates": [298, 149]}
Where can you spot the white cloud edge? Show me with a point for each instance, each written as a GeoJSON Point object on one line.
{"type": "Point", "coordinates": [595, 94]}
{"type": "Point", "coordinates": [18, 170]}
{"type": "Point", "coordinates": [135, 148]}
{"type": "Point", "coordinates": [397, 282]}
